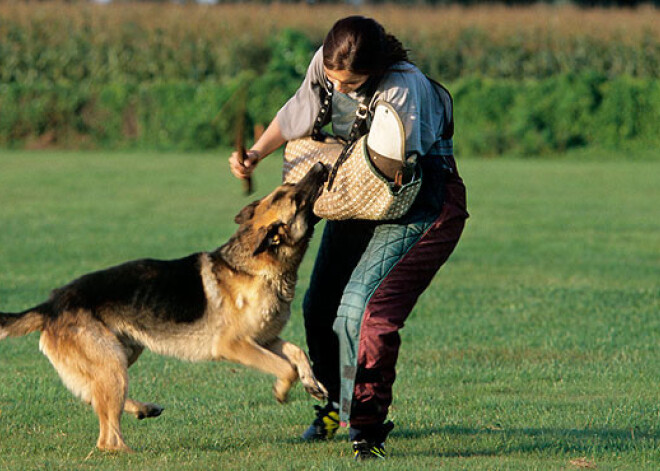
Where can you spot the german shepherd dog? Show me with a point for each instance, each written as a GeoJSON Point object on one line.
{"type": "Point", "coordinates": [229, 304]}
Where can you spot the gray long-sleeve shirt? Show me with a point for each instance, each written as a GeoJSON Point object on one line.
{"type": "Point", "coordinates": [424, 108]}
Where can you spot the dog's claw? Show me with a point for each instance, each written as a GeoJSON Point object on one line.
{"type": "Point", "coordinates": [317, 391]}
{"type": "Point", "coordinates": [155, 412]}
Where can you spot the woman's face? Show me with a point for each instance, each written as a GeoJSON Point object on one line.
{"type": "Point", "coordinates": [344, 81]}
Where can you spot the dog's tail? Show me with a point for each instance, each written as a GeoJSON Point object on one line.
{"type": "Point", "coordinates": [22, 323]}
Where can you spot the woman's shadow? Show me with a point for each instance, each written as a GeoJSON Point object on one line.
{"type": "Point", "coordinates": [498, 441]}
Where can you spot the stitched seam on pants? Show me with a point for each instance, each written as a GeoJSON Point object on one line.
{"type": "Point", "coordinates": [366, 305]}
{"type": "Point", "coordinates": [391, 269]}
{"type": "Point", "coordinates": [362, 317]}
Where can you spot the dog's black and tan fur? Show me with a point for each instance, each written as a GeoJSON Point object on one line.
{"type": "Point", "coordinates": [230, 304]}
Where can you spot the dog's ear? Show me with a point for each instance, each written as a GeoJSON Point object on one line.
{"type": "Point", "coordinates": [246, 213]}
{"type": "Point", "coordinates": [268, 237]}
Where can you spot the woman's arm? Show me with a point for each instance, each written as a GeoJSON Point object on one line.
{"type": "Point", "coordinates": [269, 141]}
{"type": "Point", "coordinates": [295, 119]}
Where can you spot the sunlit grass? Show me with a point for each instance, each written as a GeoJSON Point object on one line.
{"type": "Point", "coordinates": [535, 346]}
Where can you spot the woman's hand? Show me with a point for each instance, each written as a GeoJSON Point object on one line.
{"type": "Point", "coordinates": [243, 169]}
{"type": "Point", "coordinates": [269, 141]}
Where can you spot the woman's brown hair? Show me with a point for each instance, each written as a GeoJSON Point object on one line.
{"type": "Point", "coordinates": [361, 46]}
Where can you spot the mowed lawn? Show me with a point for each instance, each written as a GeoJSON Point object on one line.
{"type": "Point", "coordinates": [536, 347]}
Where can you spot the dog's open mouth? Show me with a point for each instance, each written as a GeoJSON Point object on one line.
{"type": "Point", "coordinates": [319, 192]}
{"type": "Point", "coordinates": [310, 189]}
{"type": "Point", "coordinates": [311, 186]}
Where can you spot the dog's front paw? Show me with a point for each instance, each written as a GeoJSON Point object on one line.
{"type": "Point", "coordinates": [315, 389]}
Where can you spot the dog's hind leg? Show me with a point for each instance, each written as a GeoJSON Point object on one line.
{"type": "Point", "coordinates": [298, 358]}
{"type": "Point", "coordinates": [108, 397]}
{"type": "Point", "coordinates": [92, 364]}
{"type": "Point", "coordinates": [141, 410]}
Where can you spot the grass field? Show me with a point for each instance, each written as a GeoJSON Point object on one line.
{"type": "Point", "coordinates": [536, 347]}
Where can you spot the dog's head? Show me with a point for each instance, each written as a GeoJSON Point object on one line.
{"type": "Point", "coordinates": [282, 222]}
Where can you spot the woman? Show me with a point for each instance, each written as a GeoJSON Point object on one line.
{"type": "Point", "coordinates": [368, 274]}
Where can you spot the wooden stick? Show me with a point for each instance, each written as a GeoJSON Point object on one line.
{"type": "Point", "coordinates": [247, 182]}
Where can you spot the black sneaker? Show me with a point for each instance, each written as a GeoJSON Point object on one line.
{"type": "Point", "coordinates": [370, 443]}
{"type": "Point", "coordinates": [325, 425]}
{"type": "Point", "coordinates": [365, 450]}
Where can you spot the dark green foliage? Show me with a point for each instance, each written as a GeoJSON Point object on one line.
{"type": "Point", "coordinates": [291, 53]}
{"type": "Point", "coordinates": [482, 110]}
{"type": "Point", "coordinates": [493, 116]}
{"type": "Point", "coordinates": [555, 114]}
{"type": "Point", "coordinates": [630, 110]}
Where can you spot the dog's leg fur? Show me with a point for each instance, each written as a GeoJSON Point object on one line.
{"type": "Point", "coordinates": [249, 353]}
{"type": "Point", "coordinates": [298, 358]}
{"type": "Point", "coordinates": [92, 363]}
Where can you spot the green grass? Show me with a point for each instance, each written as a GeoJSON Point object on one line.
{"type": "Point", "coordinates": [536, 345]}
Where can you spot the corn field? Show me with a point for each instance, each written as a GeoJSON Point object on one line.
{"type": "Point", "coordinates": [138, 42]}
{"type": "Point", "coordinates": [163, 75]}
